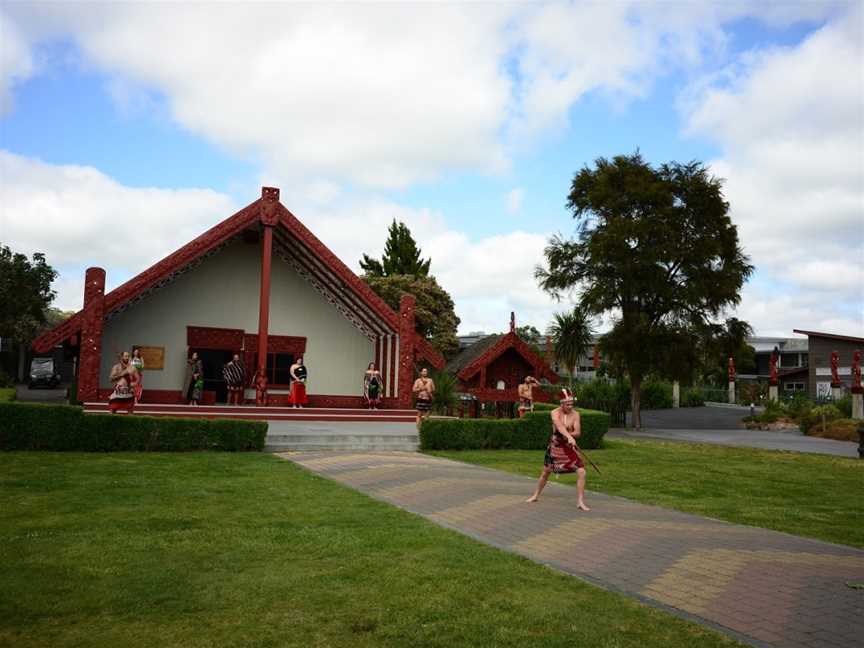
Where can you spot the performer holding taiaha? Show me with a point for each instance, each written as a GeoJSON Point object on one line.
{"type": "Point", "coordinates": [562, 453]}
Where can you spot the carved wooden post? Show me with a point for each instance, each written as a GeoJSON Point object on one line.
{"type": "Point", "coordinates": [407, 305]}
{"type": "Point", "coordinates": [269, 217]}
{"type": "Point", "coordinates": [90, 351]}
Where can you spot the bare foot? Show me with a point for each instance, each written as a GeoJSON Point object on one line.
{"type": "Point", "coordinates": [581, 506]}
{"type": "Point", "coordinates": [532, 499]}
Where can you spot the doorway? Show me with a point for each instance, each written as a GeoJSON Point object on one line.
{"type": "Point", "coordinates": [213, 360]}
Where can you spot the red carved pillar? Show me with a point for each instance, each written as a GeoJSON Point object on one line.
{"type": "Point", "coordinates": [406, 350]}
{"type": "Point", "coordinates": [269, 217]}
{"type": "Point", "coordinates": [90, 351]}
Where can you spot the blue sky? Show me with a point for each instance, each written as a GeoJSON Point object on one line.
{"type": "Point", "coordinates": [475, 152]}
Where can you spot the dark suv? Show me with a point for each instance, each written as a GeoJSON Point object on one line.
{"type": "Point", "coordinates": [42, 373]}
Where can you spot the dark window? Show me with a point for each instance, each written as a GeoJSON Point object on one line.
{"type": "Point", "coordinates": [279, 368]}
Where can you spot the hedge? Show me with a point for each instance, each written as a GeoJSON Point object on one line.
{"type": "Point", "coordinates": [528, 433]}
{"type": "Point", "coordinates": [28, 426]}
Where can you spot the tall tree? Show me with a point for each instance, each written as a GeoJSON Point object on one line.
{"type": "Point", "coordinates": [531, 336]}
{"type": "Point", "coordinates": [401, 256]}
{"type": "Point", "coordinates": [655, 248]}
{"type": "Point", "coordinates": [572, 336]}
{"type": "Point", "coordinates": [434, 315]}
{"type": "Point", "coordinates": [25, 295]}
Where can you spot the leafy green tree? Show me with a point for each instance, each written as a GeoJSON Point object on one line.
{"type": "Point", "coordinates": [401, 256]}
{"type": "Point", "coordinates": [25, 295]}
{"type": "Point", "coordinates": [572, 336]}
{"type": "Point", "coordinates": [531, 336]}
{"type": "Point", "coordinates": [655, 249]}
{"type": "Point", "coordinates": [434, 315]}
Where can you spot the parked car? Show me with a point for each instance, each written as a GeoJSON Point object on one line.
{"type": "Point", "coordinates": [43, 373]}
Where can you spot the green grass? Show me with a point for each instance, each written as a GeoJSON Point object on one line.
{"type": "Point", "coordinates": [205, 549]}
{"type": "Point", "coordinates": [805, 494]}
{"type": "Point", "coordinates": [7, 395]}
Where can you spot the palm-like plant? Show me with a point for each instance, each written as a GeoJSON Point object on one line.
{"type": "Point", "coordinates": [571, 334]}
{"type": "Point", "coordinates": [445, 396]}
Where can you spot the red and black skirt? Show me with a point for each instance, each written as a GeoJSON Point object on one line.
{"type": "Point", "coordinates": [561, 456]}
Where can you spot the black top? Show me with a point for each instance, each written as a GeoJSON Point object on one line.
{"type": "Point", "coordinates": [300, 372]}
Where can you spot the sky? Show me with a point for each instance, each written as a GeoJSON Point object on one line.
{"type": "Point", "coordinates": [127, 129]}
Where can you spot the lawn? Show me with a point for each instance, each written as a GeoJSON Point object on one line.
{"type": "Point", "coordinates": [222, 549]}
{"type": "Point", "coordinates": [7, 394]}
{"type": "Point", "coordinates": [809, 495]}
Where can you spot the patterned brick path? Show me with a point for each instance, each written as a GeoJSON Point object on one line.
{"type": "Point", "coordinates": [762, 587]}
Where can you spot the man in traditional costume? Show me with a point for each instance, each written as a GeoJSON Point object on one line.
{"type": "Point", "coordinates": [124, 376]}
{"type": "Point", "coordinates": [373, 386]}
{"type": "Point", "coordinates": [194, 381]}
{"type": "Point", "coordinates": [424, 389]}
{"type": "Point", "coordinates": [297, 395]}
{"type": "Point", "coordinates": [526, 395]}
{"type": "Point", "coordinates": [562, 455]}
{"type": "Point", "coordinates": [234, 374]}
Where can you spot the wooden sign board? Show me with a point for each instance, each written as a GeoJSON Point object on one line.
{"type": "Point", "coordinates": [154, 357]}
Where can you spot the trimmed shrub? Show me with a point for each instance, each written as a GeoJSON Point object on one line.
{"type": "Point", "coordinates": [544, 407]}
{"type": "Point", "coordinates": [692, 397]}
{"type": "Point", "coordinates": [656, 395]}
{"type": "Point", "coordinates": [528, 433]}
{"type": "Point", "coordinates": [28, 426]}
{"type": "Point", "coordinates": [817, 416]}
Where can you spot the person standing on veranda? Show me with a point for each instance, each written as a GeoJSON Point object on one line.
{"type": "Point", "coordinates": [124, 377]}
{"type": "Point", "coordinates": [424, 390]}
{"type": "Point", "coordinates": [234, 374]}
{"type": "Point", "coordinates": [297, 394]}
{"type": "Point", "coordinates": [138, 362]}
{"type": "Point", "coordinates": [561, 453]}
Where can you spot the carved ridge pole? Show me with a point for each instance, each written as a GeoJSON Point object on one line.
{"type": "Point", "coordinates": [269, 217]}
{"type": "Point", "coordinates": [90, 351]}
{"type": "Point", "coordinates": [407, 304]}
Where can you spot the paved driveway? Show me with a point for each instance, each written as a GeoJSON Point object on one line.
{"type": "Point", "coordinates": [722, 426]}
{"type": "Point", "coordinates": [763, 587]}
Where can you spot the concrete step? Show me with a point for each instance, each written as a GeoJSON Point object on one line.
{"type": "Point", "coordinates": [317, 447]}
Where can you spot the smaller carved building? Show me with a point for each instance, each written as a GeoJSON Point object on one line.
{"type": "Point", "coordinates": [491, 368]}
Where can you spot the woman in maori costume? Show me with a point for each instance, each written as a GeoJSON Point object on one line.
{"type": "Point", "coordinates": [424, 389]}
{"type": "Point", "coordinates": [124, 376]}
{"type": "Point", "coordinates": [138, 362]}
{"type": "Point", "coordinates": [562, 455]}
{"type": "Point", "coordinates": [297, 395]}
{"type": "Point", "coordinates": [373, 386]}
{"type": "Point", "coordinates": [194, 379]}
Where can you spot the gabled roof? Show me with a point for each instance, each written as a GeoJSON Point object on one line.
{"type": "Point", "coordinates": [830, 336]}
{"type": "Point", "coordinates": [293, 242]}
{"type": "Point", "coordinates": [486, 350]}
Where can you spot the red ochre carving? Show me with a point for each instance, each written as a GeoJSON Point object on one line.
{"type": "Point", "coordinates": [90, 353]}
{"type": "Point", "coordinates": [407, 335]}
{"type": "Point", "coordinates": [208, 337]}
{"type": "Point", "coordinates": [835, 371]}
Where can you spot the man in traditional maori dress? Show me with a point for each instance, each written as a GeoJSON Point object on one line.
{"type": "Point", "coordinates": [526, 395]}
{"type": "Point", "coordinates": [561, 453]}
{"type": "Point", "coordinates": [297, 395]}
{"type": "Point", "coordinates": [125, 377]}
{"type": "Point", "coordinates": [424, 389]}
{"type": "Point", "coordinates": [234, 374]}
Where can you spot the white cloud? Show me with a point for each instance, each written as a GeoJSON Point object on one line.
{"type": "Point", "coordinates": [382, 95]}
{"type": "Point", "coordinates": [79, 217]}
{"type": "Point", "coordinates": [777, 313]}
{"type": "Point", "coordinates": [513, 200]}
{"type": "Point", "coordinates": [790, 122]}
{"type": "Point", "coordinates": [16, 61]}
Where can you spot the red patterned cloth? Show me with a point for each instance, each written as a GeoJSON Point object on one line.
{"type": "Point", "coordinates": [297, 396]}
{"type": "Point", "coordinates": [561, 456]}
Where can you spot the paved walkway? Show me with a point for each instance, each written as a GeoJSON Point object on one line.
{"type": "Point", "coordinates": [762, 587]}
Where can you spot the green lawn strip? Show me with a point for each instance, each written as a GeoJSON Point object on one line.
{"type": "Point", "coordinates": [7, 395]}
{"type": "Point", "coordinates": [817, 496]}
{"type": "Point", "coordinates": [207, 549]}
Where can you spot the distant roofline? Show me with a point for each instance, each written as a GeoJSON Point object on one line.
{"type": "Point", "coordinates": [830, 336]}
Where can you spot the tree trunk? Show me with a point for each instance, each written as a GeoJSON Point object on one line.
{"type": "Point", "coordinates": [635, 398]}
{"type": "Point", "coordinates": [22, 359]}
